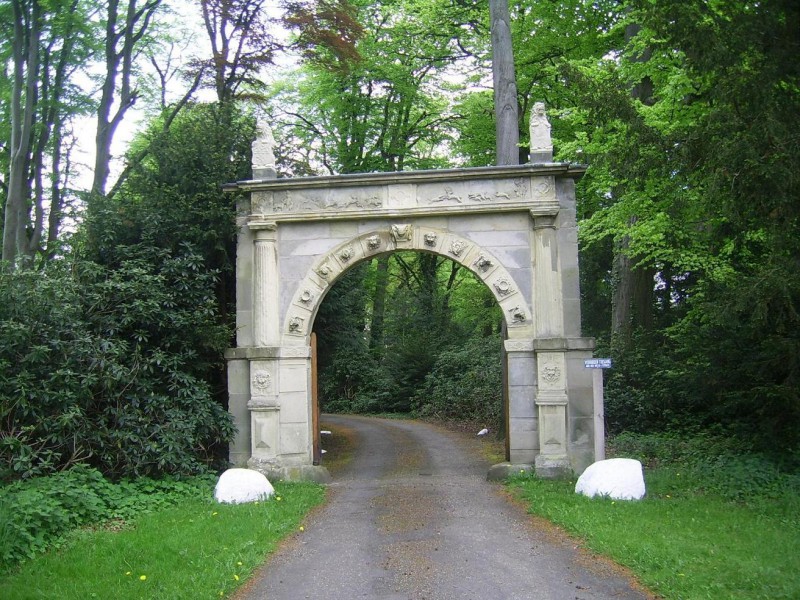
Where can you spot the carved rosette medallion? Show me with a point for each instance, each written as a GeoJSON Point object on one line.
{"type": "Point", "coordinates": [503, 286]}
{"type": "Point", "coordinates": [457, 247]}
{"type": "Point", "coordinates": [261, 381]}
{"type": "Point", "coordinates": [551, 374]}
{"type": "Point", "coordinates": [296, 324]}
{"type": "Point", "coordinates": [401, 233]}
{"type": "Point", "coordinates": [482, 263]}
{"type": "Point", "coordinates": [517, 315]}
{"type": "Point", "coordinates": [374, 242]}
{"type": "Point", "coordinates": [306, 297]}
{"type": "Point", "coordinates": [346, 254]}
{"type": "Point", "coordinates": [430, 239]}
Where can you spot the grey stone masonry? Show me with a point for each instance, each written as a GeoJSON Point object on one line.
{"type": "Point", "coordinates": [513, 226]}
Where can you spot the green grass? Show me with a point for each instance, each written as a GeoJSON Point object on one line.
{"type": "Point", "coordinates": [682, 543]}
{"type": "Point", "coordinates": [198, 550]}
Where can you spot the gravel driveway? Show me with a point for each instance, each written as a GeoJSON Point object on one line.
{"type": "Point", "coordinates": [413, 517]}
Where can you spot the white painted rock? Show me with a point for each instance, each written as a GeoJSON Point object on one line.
{"type": "Point", "coordinates": [617, 478]}
{"type": "Point", "coordinates": [236, 486]}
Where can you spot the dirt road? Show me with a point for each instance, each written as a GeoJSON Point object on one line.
{"type": "Point", "coordinates": [413, 518]}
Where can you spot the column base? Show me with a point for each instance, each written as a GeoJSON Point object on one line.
{"type": "Point", "coordinates": [273, 471]}
{"type": "Point", "coordinates": [552, 466]}
{"type": "Point", "coordinates": [502, 471]}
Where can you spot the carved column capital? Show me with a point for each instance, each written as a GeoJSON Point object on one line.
{"type": "Point", "coordinates": [543, 221]}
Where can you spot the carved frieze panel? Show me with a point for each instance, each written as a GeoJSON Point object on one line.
{"type": "Point", "coordinates": [346, 253]}
{"type": "Point", "coordinates": [374, 242]}
{"type": "Point", "coordinates": [458, 247]}
{"type": "Point", "coordinates": [296, 325]}
{"type": "Point", "coordinates": [517, 314]}
{"type": "Point", "coordinates": [261, 381]}
{"type": "Point", "coordinates": [260, 203]}
{"type": "Point", "coordinates": [402, 233]}
{"type": "Point", "coordinates": [482, 263]}
{"type": "Point", "coordinates": [503, 286]}
{"type": "Point", "coordinates": [480, 192]}
{"type": "Point", "coordinates": [309, 201]}
{"type": "Point", "coordinates": [551, 367]}
{"type": "Point", "coordinates": [325, 270]}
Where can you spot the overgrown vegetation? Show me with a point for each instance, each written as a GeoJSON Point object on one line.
{"type": "Point", "coordinates": [41, 514]}
{"type": "Point", "coordinates": [165, 539]}
{"type": "Point", "coordinates": [715, 522]}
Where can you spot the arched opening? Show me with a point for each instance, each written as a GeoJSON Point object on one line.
{"type": "Point", "coordinates": [412, 333]}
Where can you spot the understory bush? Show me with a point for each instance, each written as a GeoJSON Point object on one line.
{"type": "Point", "coordinates": [38, 513]}
{"type": "Point", "coordinates": [713, 461]}
{"type": "Point", "coordinates": [465, 384]}
{"type": "Point", "coordinates": [111, 367]}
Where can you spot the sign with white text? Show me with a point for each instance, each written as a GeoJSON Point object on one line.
{"type": "Point", "coordinates": [597, 363]}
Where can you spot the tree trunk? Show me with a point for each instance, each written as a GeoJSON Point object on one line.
{"type": "Point", "coordinates": [117, 83]}
{"type": "Point", "coordinates": [506, 108]}
{"type": "Point", "coordinates": [379, 306]}
{"type": "Point", "coordinates": [25, 53]}
{"type": "Point", "coordinates": [633, 286]}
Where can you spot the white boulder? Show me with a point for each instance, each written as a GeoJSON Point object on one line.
{"type": "Point", "coordinates": [236, 486]}
{"type": "Point", "coordinates": [617, 478]}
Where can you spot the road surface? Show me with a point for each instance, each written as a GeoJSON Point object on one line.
{"type": "Point", "coordinates": [412, 517]}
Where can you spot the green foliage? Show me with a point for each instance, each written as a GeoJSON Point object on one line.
{"type": "Point", "coordinates": [110, 367]}
{"type": "Point", "coordinates": [465, 384]}
{"type": "Point", "coordinates": [434, 313]}
{"type": "Point", "coordinates": [681, 543]}
{"type": "Point", "coordinates": [37, 514]}
{"type": "Point", "coordinates": [193, 548]}
{"type": "Point", "coordinates": [714, 463]}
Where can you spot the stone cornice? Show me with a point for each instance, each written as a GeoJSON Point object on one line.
{"type": "Point", "coordinates": [408, 177]}
{"type": "Point", "coordinates": [530, 188]}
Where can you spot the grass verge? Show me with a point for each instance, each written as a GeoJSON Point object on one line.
{"type": "Point", "coordinates": [200, 549]}
{"type": "Point", "coordinates": [681, 543]}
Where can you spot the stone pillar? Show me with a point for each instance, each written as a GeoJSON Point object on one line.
{"type": "Point", "coordinates": [266, 326]}
{"type": "Point", "coordinates": [265, 420]}
{"type": "Point", "coordinates": [551, 368]}
{"type": "Point", "coordinates": [238, 398]}
{"type": "Point", "coordinates": [523, 436]}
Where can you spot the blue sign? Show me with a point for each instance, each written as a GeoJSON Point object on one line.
{"type": "Point", "coordinates": [597, 363]}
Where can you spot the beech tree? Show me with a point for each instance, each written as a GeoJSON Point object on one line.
{"type": "Point", "coordinates": [45, 45]}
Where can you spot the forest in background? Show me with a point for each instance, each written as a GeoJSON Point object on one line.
{"type": "Point", "coordinates": [118, 300]}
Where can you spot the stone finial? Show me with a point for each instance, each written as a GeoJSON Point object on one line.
{"type": "Point", "coordinates": [541, 142]}
{"type": "Point", "coordinates": [263, 162]}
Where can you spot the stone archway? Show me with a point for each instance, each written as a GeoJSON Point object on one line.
{"type": "Point", "coordinates": [514, 227]}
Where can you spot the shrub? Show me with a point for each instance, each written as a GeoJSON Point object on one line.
{"type": "Point", "coordinates": [465, 384]}
{"type": "Point", "coordinates": [111, 367]}
{"type": "Point", "coordinates": [36, 514]}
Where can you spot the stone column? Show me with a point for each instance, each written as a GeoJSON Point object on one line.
{"type": "Point", "coordinates": [551, 368]}
{"type": "Point", "coordinates": [266, 326]}
{"type": "Point", "coordinates": [264, 405]}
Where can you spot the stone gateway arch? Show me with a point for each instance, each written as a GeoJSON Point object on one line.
{"type": "Point", "coordinates": [514, 227]}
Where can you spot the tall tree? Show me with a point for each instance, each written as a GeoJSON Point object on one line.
{"type": "Point", "coordinates": [126, 25]}
{"type": "Point", "coordinates": [45, 46]}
